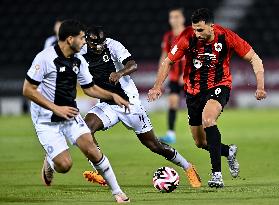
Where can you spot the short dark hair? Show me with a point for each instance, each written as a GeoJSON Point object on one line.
{"type": "Point", "coordinates": [202, 14]}
{"type": "Point", "coordinates": [70, 27]}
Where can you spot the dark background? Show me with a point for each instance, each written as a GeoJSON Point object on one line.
{"type": "Point", "coordinates": [139, 25]}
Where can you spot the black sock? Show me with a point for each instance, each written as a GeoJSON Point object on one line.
{"type": "Point", "coordinates": [224, 149]}
{"type": "Point", "coordinates": [171, 118]}
{"type": "Point", "coordinates": [213, 138]}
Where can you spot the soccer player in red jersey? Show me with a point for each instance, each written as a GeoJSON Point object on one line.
{"type": "Point", "coordinates": [208, 48]}
{"type": "Point", "coordinates": [175, 85]}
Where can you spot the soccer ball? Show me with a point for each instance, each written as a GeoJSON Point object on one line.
{"type": "Point", "coordinates": [165, 179]}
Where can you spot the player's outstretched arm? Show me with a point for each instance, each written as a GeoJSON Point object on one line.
{"type": "Point", "coordinates": [129, 68]}
{"type": "Point", "coordinates": [100, 93]}
{"type": "Point", "coordinates": [30, 91]}
{"type": "Point", "coordinates": [258, 68]}
{"type": "Point", "coordinates": [156, 92]}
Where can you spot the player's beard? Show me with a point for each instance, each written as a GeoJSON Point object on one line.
{"type": "Point", "coordinates": [75, 48]}
{"type": "Point", "coordinates": [205, 38]}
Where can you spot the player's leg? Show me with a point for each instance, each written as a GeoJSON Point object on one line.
{"type": "Point", "coordinates": [149, 140]}
{"type": "Point", "coordinates": [57, 156]}
{"type": "Point", "coordinates": [100, 117]}
{"type": "Point", "coordinates": [210, 114]}
{"type": "Point", "coordinates": [79, 134]}
{"type": "Point", "coordinates": [102, 164]}
{"type": "Point", "coordinates": [173, 103]}
{"type": "Point", "coordinates": [199, 137]}
{"type": "Point", "coordinates": [94, 123]}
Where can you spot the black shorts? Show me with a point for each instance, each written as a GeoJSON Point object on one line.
{"type": "Point", "coordinates": [196, 103]}
{"type": "Point", "coordinates": [175, 87]}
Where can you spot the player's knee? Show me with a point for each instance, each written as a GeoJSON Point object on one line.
{"type": "Point", "coordinates": [92, 126]}
{"type": "Point", "coordinates": [208, 121]}
{"type": "Point", "coordinates": [63, 166]}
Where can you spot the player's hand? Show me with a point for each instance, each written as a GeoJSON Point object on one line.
{"type": "Point", "coordinates": [121, 102]}
{"type": "Point", "coordinates": [65, 112]}
{"type": "Point", "coordinates": [260, 94]}
{"type": "Point", "coordinates": [181, 80]}
{"type": "Point", "coordinates": [114, 77]}
{"type": "Point", "coordinates": [154, 94]}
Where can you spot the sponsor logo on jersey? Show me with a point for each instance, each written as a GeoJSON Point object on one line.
{"type": "Point", "coordinates": [62, 69]}
{"type": "Point", "coordinates": [105, 58]}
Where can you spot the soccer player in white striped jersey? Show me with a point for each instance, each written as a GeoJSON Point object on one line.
{"type": "Point", "coordinates": [51, 86]}
{"type": "Point", "coordinates": [110, 64]}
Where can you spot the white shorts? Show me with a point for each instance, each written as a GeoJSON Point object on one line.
{"type": "Point", "coordinates": [136, 120]}
{"type": "Point", "coordinates": [52, 135]}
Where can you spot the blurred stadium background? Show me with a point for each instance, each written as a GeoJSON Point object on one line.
{"type": "Point", "coordinates": [139, 25]}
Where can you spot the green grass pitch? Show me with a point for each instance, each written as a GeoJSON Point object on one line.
{"type": "Point", "coordinates": [256, 133]}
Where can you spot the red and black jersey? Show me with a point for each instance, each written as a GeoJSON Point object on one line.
{"type": "Point", "coordinates": [178, 67]}
{"type": "Point", "coordinates": [207, 63]}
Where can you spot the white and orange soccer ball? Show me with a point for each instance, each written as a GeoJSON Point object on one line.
{"type": "Point", "coordinates": [165, 179]}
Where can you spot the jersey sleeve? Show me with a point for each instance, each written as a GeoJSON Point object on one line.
{"type": "Point", "coordinates": [36, 72]}
{"type": "Point", "coordinates": [240, 46]}
{"type": "Point", "coordinates": [166, 46]}
{"type": "Point", "coordinates": [180, 44]}
{"type": "Point", "coordinates": [119, 52]}
{"type": "Point", "coordinates": [84, 77]}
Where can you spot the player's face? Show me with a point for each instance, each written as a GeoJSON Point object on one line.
{"type": "Point", "coordinates": [77, 42]}
{"type": "Point", "coordinates": [95, 47]}
{"type": "Point", "coordinates": [203, 31]}
{"type": "Point", "coordinates": [176, 18]}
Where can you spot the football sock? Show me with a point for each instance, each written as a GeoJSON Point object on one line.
{"type": "Point", "coordinates": [180, 161]}
{"type": "Point", "coordinates": [105, 169]}
{"type": "Point", "coordinates": [173, 156]}
{"type": "Point", "coordinates": [224, 149]}
{"type": "Point", "coordinates": [213, 138]}
{"type": "Point", "coordinates": [171, 118]}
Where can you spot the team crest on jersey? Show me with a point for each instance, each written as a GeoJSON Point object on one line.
{"type": "Point", "coordinates": [37, 67]}
{"type": "Point", "coordinates": [75, 69]}
{"type": "Point", "coordinates": [197, 63]}
{"type": "Point", "coordinates": [218, 47]}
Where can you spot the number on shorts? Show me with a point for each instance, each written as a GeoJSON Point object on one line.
{"type": "Point", "coordinates": [217, 91]}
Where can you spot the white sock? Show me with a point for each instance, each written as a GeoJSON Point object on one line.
{"type": "Point", "coordinates": [51, 163]}
{"type": "Point", "coordinates": [180, 161]}
{"type": "Point", "coordinates": [105, 169]}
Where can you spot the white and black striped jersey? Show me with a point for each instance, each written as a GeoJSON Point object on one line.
{"type": "Point", "coordinates": [56, 77]}
{"type": "Point", "coordinates": [111, 60]}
